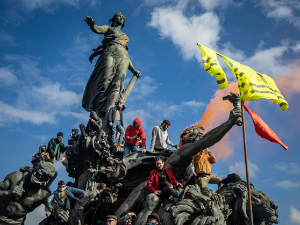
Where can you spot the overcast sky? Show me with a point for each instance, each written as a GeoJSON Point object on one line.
{"type": "Point", "coordinates": [44, 68]}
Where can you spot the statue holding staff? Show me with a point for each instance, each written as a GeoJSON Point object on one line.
{"type": "Point", "coordinates": [106, 83]}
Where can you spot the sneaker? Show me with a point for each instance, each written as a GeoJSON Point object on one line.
{"type": "Point", "coordinates": [121, 145]}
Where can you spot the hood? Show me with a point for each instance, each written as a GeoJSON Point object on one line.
{"type": "Point", "coordinates": [76, 131]}
{"type": "Point", "coordinates": [160, 127]}
{"type": "Point", "coordinates": [154, 215]}
{"type": "Point", "coordinates": [40, 148]}
{"type": "Point", "coordinates": [137, 120]}
{"type": "Point", "coordinates": [94, 115]}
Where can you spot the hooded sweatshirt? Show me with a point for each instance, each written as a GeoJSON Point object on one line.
{"type": "Point", "coordinates": [160, 138]}
{"type": "Point", "coordinates": [94, 125]}
{"type": "Point", "coordinates": [155, 216]}
{"type": "Point", "coordinates": [131, 131]}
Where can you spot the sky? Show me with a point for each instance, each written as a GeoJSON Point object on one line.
{"type": "Point", "coordinates": [44, 68]}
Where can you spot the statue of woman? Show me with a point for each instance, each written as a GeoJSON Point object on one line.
{"type": "Point", "coordinates": [106, 83]}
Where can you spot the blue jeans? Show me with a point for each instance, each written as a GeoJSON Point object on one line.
{"type": "Point", "coordinates": [166, 192]}
{"type": "Point", "coordinates": [128, 147]}
{"type": "Point", "coordinates": [68, 204]}
{"type": "Point", "coordinates": [117, 127]}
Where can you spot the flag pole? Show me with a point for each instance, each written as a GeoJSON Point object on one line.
{"type": "Point", "coordinates": [246, 163]}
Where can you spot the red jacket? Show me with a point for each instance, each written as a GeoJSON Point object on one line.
{"type": "Point", "coordinates": [132, 131]}
{"type": "Point", "coordinates": [154, 178]}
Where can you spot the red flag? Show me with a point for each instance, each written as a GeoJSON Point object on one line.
{"type": "Point", "coordinates": [263, 130]}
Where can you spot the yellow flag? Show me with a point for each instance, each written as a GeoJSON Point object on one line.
{"type": "Point", "coordinates": [212, 66]}
{"type": "Point", "coordinates": [280, 99]}
{"type": "Point", "coordinates": [251, 85]}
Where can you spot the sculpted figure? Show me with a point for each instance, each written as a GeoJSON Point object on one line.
{"type": "Point", "coordinates": [23, 191]}
{"type": "Point", "coordinates": [106, 83]}
{"type": "Point", "coordinates": [179, 162]}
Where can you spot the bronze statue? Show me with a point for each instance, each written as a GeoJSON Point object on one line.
{"type": "Point", "coordinates": [106, 83]}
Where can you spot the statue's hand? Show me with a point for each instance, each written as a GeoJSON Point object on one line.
{"type": "Point", "coordinates": [17, 191]}
{"type": "Point", "coordinates": [89, 20]}
{"type": "Point", "coordinates": [235, 114]}
{"type": "Point", "coordinates": [64, 215]}
{"type": "Point", "coordinates": [137, 74]}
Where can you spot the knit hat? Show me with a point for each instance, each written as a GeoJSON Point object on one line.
{"type": "Point", "coordinates": [60, 134]}
{"type": "Point", "coordinates": [112, 217]}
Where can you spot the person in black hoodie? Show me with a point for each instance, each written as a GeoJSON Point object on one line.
{"type": "Point", "coordinates": [73, 137]}
{"type": "Point", "coordinates": [103, 207]}
{"type": "Point", "coordinates": [94, 124]}
{"type": "Point", "coordinates": [42, 155]}
{"type": "Point", "coordinates": [56, 147]}
{"type": "Point", "coordinates": [153, 219]}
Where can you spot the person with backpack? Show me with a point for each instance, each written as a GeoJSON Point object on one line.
{"type": "Point", "coordinates": [134, 132]}
{"type": "Point", "coordinates": [202, 162]}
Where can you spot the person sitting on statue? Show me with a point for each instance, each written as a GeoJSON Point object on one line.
{"type": "Point", "coordinates": [115, 120]}
{"type": "Point", "coordinates": [63, 196]}
{"type": "Point", "coordinates": [202, 162]}
{"type": "Point", "coordinates": [103, 207]}
{"type": "Point", "coordinates": [56, 147]}
{"type": "Point", "coordinates": [153, 219]}
{"type": "Point", "coordinates": [160, 137]}
{"type": "Point", "coordinates": [162, 181]}
{"type": "Point", "coordinates": [94, 124]}
{"type": "Point", "coordinates": [134, 132]}
{"type": "Point", "coordinates": [73, 137]}
{"type": "Point", "coordinates": [126, 218]}
{"type": "Point", "coordinates": [42, 155]}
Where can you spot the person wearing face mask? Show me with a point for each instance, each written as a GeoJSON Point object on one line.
{"type": "Point", "coordinates": [153, 219]}
{"type": "Point", "coordinates": [42, 155]}
{"type": "Point", "coordinates": [160, 137]}
{"type": "Point", "coordinates": [103, 207]}
{"type": "Point", "coordinates": [56, 147]}
{"type": "Point", "coordinates": [63, 196]}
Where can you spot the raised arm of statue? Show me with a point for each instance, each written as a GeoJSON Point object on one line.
{"type": "Point", "coordinates": [209, 139]}
{"type": "Point", "coordinates": [97, 29]}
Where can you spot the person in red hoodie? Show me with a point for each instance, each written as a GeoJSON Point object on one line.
{"type": "Point", "coordinates": [133, 134]}
{"type": "Point", "coordinates": [162, 181]}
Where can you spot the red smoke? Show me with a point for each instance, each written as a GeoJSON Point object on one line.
{"type": "Point", "coordinates": [217, 112]}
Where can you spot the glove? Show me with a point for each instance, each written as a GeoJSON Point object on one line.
{"type": "Point", "coordinates": [175, 146]}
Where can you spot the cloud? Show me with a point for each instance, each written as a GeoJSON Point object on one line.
{"type": "Point", "coordinates": [52, 95]}
{"type": "Point", "coordinates": [297, 47]}
{"type": "Point", "coordinates": [211, 5]}
{"type": "Point", "coordinates": [10, 115]}
{"type": "Point", "coordinates": [185, 31]}
{"type": "Point", "coordinates": [240, 169]}
{"type": "Point", "coordinates": [194, 105]}
{"type": "Point", "coordinates": [287, 184]}
{"type": "Point", "coordinates": [144, 115]}
{"type": "Point", "coordinates": [143, 87]}
{"type": "Point", "coordinates": [36, 216]}
{"type": "Point", "coordinates": [291, 167]}
{"type": "Point", "coordinates": [294, 215]}
{"type": "Point", "coordinates": [7, 76]}
{"type": "Point", "coordinates": [282, 10]}
{"type": "Point", "coordinates": [6, 38]}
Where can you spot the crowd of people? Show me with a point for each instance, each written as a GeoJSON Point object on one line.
{"type": "Point", "coordinates": [160, 182]}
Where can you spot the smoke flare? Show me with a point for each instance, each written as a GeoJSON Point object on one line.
{"type": "Point", "coordinates": [217, 111]}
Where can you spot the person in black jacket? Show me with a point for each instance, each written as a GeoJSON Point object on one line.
{"type": "Point", "coordinates": [73, 137]}
{"type": "Point", "coordinates": [94, 124]}
{"type": "Point", "coordinates": [115, 120]}
{"type": "Point", "coordinates": [103, 207]}
{"type": "Point", "coordinates": [56, 147]}
{"type": "Point", "coordinates": [42, 155]}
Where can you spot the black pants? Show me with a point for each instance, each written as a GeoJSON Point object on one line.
{"type": "Point", "coordinates": [166, 192]}
{"type": "Point", "coordinates": [84, 131]}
